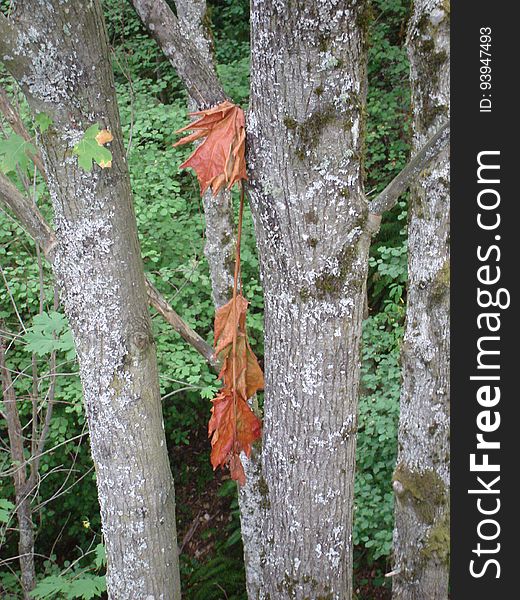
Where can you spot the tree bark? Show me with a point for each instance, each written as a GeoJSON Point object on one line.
{"type": "Point", "coordinates": [421, 479]}
{"type": "Point", "coordinates": [305, 136]}
{"type": "Point", "coordinates": [59, 54]}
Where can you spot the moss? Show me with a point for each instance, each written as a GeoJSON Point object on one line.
{"type": "Point", "coordinates": [437, 544]}
{"type": "Point", "coordinates": [291, 585]}
{"type": "Point", "coordinates": [323, 42]}
{"type": "Point", "coordinates": [441, 282]}
{"type": "Point", "coordinates": [304, 294]}
{"type": "Point", "coordinates": [432, 63]}
{"type": "Point", "coordinates": [364, 19]}
{"type": "Point", "coordinates": [310, 217]}
{"type": "Point", "coordinates": [426, 491]}
{"type": "Point", "coordinates": [332, 284]}
{"type": "Point", "coordinates": [263, 490]}
{"type": "Point", "coordinates": [290, 123]}
{"type": "Point", "coordinates": [309, 131]}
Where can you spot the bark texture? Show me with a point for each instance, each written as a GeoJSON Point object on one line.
{"type": "Point", "coordinates": [305, 135]}
{"type": "Point", "coordinates": [421, 479]}
{"type": "Point", "coordinates": [60, 57]}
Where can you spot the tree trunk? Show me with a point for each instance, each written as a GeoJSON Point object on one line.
{"type": "Point", "coordinates": [59, 54]}
{"type": "Point", "coordinates": [421, 479]}
{"type": "Point", "coordinates": [305, 136]}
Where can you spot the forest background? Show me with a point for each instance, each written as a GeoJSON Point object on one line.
{"type": "Point", "coordinates": [153, 104]}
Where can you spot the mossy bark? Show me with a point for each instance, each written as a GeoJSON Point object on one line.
{"type": "Point", "coordinates": [310, 217]}
{"type": "Point", "coordinates": [421, 478]}
{"type": "Point", "coordinates": [60, 57]}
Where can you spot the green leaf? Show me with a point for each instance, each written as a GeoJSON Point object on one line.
{"type": "Point", "coordinates": [101, 557]}
{"type": "Point", "coordinates": [15, 151]}
{"type": "Point", "coordinates": [87, 587]}
{"type": "Point", "coordinates": [6, 509]}
{"type": "Point", "coordinates": [50, 587]}
{"type": "Point", "coordinates": [88, 150]}
{"type": "Point", "coordinates": [49, 332]}
{"type": "Point", "coordinates": [43, 122]}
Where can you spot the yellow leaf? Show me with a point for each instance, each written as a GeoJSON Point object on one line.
{"type": "Point", "coordinates": [103, 137]}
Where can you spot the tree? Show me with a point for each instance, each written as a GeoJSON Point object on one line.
{"type": "Point", "coordinates": [313, 226]}
{"type": "Point", "coordinates": [421, 478]}
{"type": "Point", "coordinates": [58, 54]}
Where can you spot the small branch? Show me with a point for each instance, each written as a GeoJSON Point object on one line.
{"type": "Point", "coordinates": [184, 330]}
{"type": "Point", "coordinates": [35, 225]}
{"type": "Point", "coordinates": [431, 149]}
{"type": "Point", "coordinates": [197, 74]}
{"type": "Point", "coordinates": [29, 217]}
{"type": "Point", "coordinates": [17, 62]}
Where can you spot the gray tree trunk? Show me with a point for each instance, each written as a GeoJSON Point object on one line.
{"type": "Point", "coordinates": [305, 136]}
{"type": "Point", "coordinates": [58, 53]}
{"type": "Point", "coordinates": [421, 479]}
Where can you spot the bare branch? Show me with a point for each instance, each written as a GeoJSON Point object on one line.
{"type": "Point", "coordinates": [33, 222]}
{"type": "Point", "coordinates": [431, 149]}
{"type": "Point", "coordinates": [28, 216]}
{"type": "Point", "coordinates": [197, 74]}
{"type": "Point", "coordinates": [184, 330]}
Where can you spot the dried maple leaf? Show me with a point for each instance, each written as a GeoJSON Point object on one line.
{"type": "Point", "coordinates": [227, 319]}
{"type": "Point", "coordinates": [233, 427]}
{"type": "Point", "coordinates": [220, 159]}
{"type": "Point", "coordinates": [248, 374]}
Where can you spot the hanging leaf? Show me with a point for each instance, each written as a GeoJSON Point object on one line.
{"type": "Point", "coordinates": [91, 148]}
{"type": "Point", "coordinates": [233, 426]}
{"type": "Point", "coordinates": [219, 161]}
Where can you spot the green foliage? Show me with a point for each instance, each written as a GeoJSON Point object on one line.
{"type": "Point", "coordinates": [49, 332]}
{"type": "Point", "coordinates": [88, 149]}
{"type": "Point", "coordinates": [223, 575]}
{"type": "Point", "coordinates": [6, 510]}
{"type": "Point", "coordinates": [377, 430]}
{"type": "Point", "coordinates": [85, 586]}
{"type": "Point", "coordinates": [42, 122]}
{"type": "Point", "coordinates": [15, 152]}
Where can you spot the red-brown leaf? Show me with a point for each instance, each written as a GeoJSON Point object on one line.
{"type": "Point", "coordinates": [233, 428]}
{"type": "Point", "coordinates": [220, 159]}
{"type": "Point", "coordinates": [227, 319]}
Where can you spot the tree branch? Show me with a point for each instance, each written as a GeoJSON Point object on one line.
{"type": "Point", "coordinates": [35, 225]}
{"type": "Point", "coordinates": [197, 74]}
{"type": "Point", "coordinates": [184, 330]}
{"type": "Point", "coordinates": [29, 217]}
{"type": "Point", "coordinates": [431, 149]}
{"type": "Point", "coordinates": [8, 33]}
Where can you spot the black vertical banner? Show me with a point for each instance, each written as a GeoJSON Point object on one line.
{"type": "Point", "coordinates": [485, 231]}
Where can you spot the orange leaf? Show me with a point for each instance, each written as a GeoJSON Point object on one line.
{"type": "Point", "coordinates": [227, 319]}
{"type": "Point", "coordinates": [103, 137]}
{"type": "Point", "coordinates": [220, 159]}
{"type": "Point", "coordinates": [249, 376]}
{"type": "Point", "coordinates": [233, 428]}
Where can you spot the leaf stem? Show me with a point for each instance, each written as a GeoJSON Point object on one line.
{"type": "Point", "coordinates": [237, 278]}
